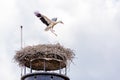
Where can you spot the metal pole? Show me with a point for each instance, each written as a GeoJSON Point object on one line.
{"type": "Point", "coordinates": [65, 70]}
{"type": "Point", "coordinates": [21, 36]}
{"type": "Point", "coordinates": [24, 70]}
{"type": "Point", "coordinates": [60, 68]}
{"type": "Point", "coordinates": [21, 71]}
{"type": "Point", "coordinates": [44, 65]}
{"type": "Point", "coordinates": [21, 47]}
{"type": "Point", "coordinates": [30, 66]}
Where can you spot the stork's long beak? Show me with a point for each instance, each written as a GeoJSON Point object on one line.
{"type": "Point", "coordinates": [62, 22]}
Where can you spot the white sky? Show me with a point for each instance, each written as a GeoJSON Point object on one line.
{"type": "Point", "coordinates": [91, 28]}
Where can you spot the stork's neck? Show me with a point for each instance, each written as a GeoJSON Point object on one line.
{"type": "Point", "coordinates": [58, 22]}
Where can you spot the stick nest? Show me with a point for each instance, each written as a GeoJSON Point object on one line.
{"type": "Point", "coordinates": [52, 56]}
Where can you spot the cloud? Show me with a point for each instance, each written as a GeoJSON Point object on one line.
{"type": "Point", "coordinates": [91, 29]}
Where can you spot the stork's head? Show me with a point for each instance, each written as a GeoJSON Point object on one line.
{"type": "Point", "coordinates": [61, 22]}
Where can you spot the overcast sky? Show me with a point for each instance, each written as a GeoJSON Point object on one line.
{"type": "Point", "coordinates": [91, 28]}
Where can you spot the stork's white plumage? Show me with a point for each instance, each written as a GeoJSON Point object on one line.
{"type": "Point", "coordinates": [49, 23]}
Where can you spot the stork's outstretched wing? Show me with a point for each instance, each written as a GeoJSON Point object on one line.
{"type": "Point", "coordinates": [43, 18]}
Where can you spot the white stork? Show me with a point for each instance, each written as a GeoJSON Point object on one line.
{"type": "Point", "coordinates": [49, 23]}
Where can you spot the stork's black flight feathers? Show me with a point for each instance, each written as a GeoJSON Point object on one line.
{"type": "Point", "coordinates": [44, 21]}
{"type": "Point", "coordinates": [42, 18]}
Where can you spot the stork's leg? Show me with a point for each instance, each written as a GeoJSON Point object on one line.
{"type": "Point", "coordinates": [53, 31]}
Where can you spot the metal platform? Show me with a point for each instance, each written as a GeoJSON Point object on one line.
{"type": "Point", "coordinates": [44, 76]}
